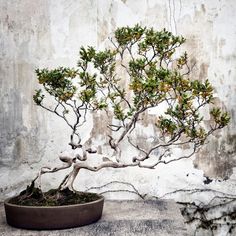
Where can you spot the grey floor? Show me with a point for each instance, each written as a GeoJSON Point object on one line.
{"type": "Point", "coordinates": [120, 218]}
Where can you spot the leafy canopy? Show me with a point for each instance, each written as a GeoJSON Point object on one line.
{"type": "Point", "coordinates": [141, 71]}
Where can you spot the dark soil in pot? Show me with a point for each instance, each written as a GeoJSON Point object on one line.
{"type": "Point", "coordinates": [35, 197]}
{"type": "Point", "coordinates": [54, 209]}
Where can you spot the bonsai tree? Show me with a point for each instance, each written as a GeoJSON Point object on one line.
{"type": "Point", "coordinates": [142, 71]}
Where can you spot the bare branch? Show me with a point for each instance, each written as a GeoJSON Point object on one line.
{"type": "Point", "coordinates": [68, 161]}
{"type": "Point", "coordinates": [135, 191]}
{"type": "Point", "coordinates": [152, 166]}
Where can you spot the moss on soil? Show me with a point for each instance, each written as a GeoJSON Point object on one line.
{"type": "Point", "coordinates": [32, 196]}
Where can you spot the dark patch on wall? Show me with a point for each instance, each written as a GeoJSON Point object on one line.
{"type": "Point", "coordinates": [217, 158]}
{"type": "Point", "coordinates": [203, 8]}
{"type": "Point", "coordinates": [203, 71]}
{"type": "Point", "coordinates": [100, 122]}
{"type": "Point", "coordinates": [10, 124]}
{"type": "Point", "coordinates": [147, 119]}
{"type": "Point", "coordinates": [20, 136]}
{"type": "Point", "coordinates": [18, 143]}
{"type": "Point", "coordinates": [207, 180]}
{"type": "Point", "coordinates": [103, 30]}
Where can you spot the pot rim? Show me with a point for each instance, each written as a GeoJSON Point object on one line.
{"type": "Point", "coordinates": [6, 202]}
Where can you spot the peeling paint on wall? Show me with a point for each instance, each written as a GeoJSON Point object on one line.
{"type": "Point", "coordinates": [217, 159]}
{"type": "Point", "coordinates": [49, 34]}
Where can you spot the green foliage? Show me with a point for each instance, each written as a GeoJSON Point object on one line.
{"type": "Point", "coordinates": [162, 42]}
{"type": "Point", "coordinates": [126, 35]}
{"type": "Point", "coordinates": [167, 125]}
{"type": "Point", "coordinates": [86, 55]}
{"type": "Point", "coordinates": [100, 60]}
{"type": "Point", "coordinates": [38, 96]}
{"type": "Point", "coordinates": [118, 112]}
{"type": "Point", "coordinates": [220, 118]}
{"type": "Point", "coordinates": [58, 82]}
{"type": "Point", "coordinates": [154, 75]}
{"type": "Point", "coordinates": [182, 60]}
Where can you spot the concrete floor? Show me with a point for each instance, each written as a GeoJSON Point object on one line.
{"type": "Point", "coordinates": [120, 218]}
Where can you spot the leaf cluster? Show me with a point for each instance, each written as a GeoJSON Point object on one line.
{"type": "Point", "coordinates": [57, 82]}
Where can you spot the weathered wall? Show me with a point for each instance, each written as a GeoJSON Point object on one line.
{"type": "Point", "coordinates": [49, 33]}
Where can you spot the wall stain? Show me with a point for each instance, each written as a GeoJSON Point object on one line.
{"type": "Point", "coordinates": [203, 8]}
{"type": "Point", "coordinates": [27, 31]}
{"type": "Point", "coordinates": [148, 119]}
{"type": "Point", "coordinates": [203, 71]}
{"type": "Point", "coordinates": [20, 136]}
{"type": "Point", "coordinates": [217, 158]}
{"type": "Point", "coordinates": [100, 131]}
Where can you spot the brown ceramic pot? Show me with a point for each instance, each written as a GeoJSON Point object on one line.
{"type": "Point", "coordinates": [56, 217]}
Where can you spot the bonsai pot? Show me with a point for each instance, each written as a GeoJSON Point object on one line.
{"type": "Point", "coordinates": [53, 217]}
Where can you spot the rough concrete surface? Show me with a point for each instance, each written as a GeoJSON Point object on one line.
{"type": "Point", "coordinates": [37, 34]}
{"type": "Point", "coordinates": [120, 218]}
